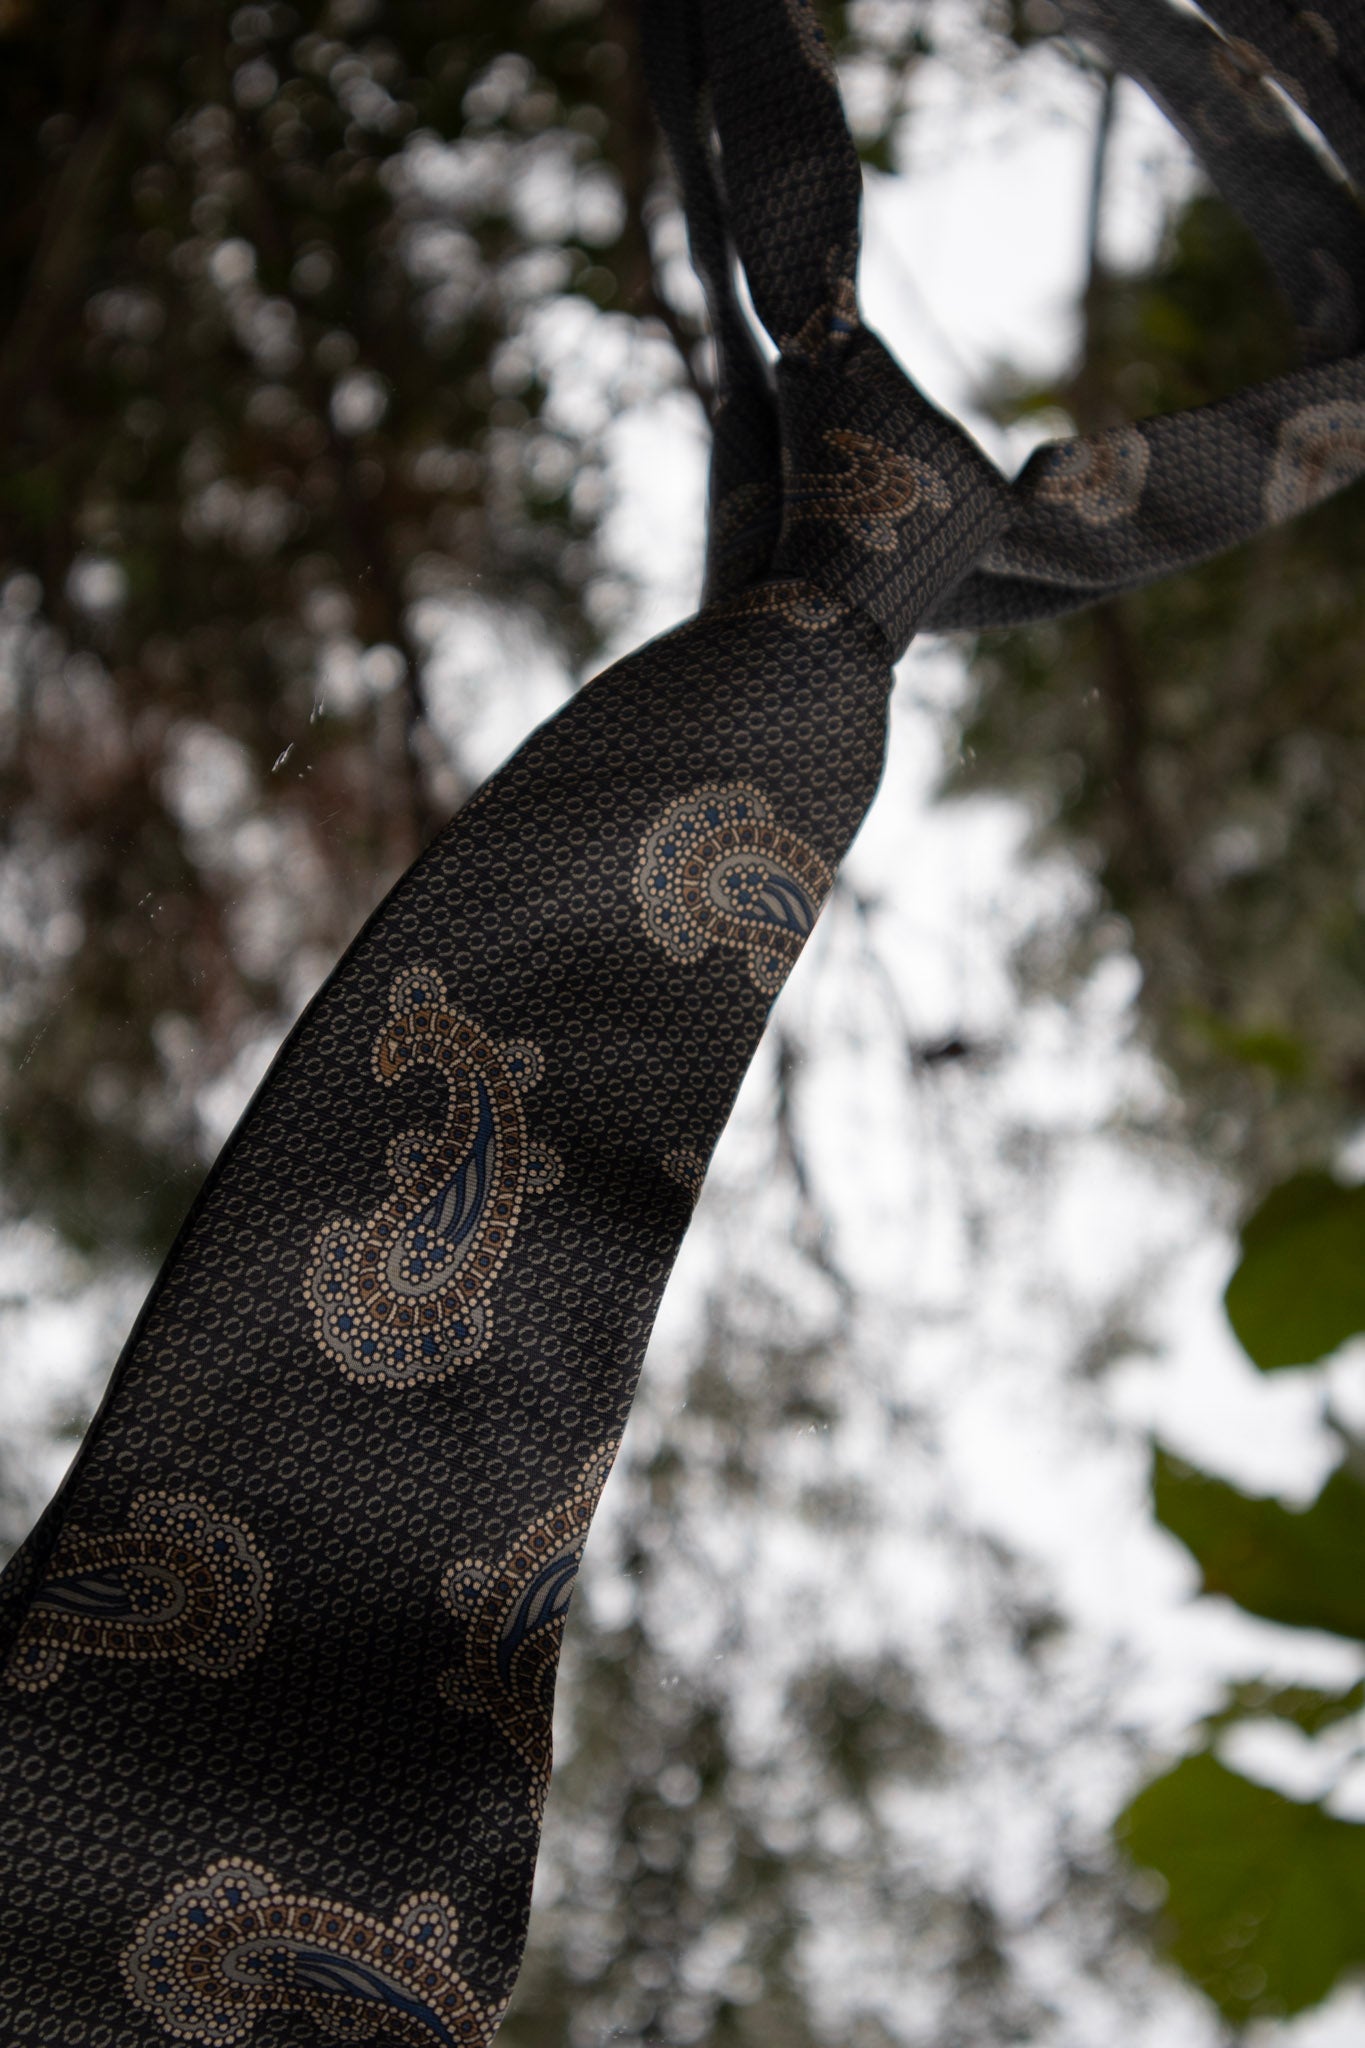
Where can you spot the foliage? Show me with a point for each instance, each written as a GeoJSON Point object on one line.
{"type": "Point", "coordinates": [300, 308]}
{"type": "Point", "coordinates": [270, 383]}
{"type": "Point", "coordinates": [1303, 1567]}
{"type": "Point", "coordinates": [1266, 1895]}
{"type": "Point", "coordinates": [1200, 745]}
{"type": "Point", "coordinates": [1299, 1290]}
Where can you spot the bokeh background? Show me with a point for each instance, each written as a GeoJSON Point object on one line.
{"type": "Point", "coordinates": [971, 1647]}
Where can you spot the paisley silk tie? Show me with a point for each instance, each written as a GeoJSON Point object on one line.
{"type": "Point", "coordinates": [276, 1666]}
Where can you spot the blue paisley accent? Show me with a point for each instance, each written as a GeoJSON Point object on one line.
{"type": "Point", "coordinates": [227, 1948]}
{"type": "Point", "coordinates": [108, 1596]}
{"type": "Point", "coordinates": [513, 1610]}
{"type": "Point", "coordinates": [544, 1603]}
{"type": "Point", "coordinates": [718, 870]}
{"type": "Point", "coordinates": [182, 1582]}
{"type": "Point", "coordinates": [454, 1210]}
{"type": "Point", "coordinates": [313, 1969]}
{"type": "Point", "coordinates": [768, 897]}
{"type": "Point", "coordinates": [832, 323]}
{"type": "Point", "coordinates": [405, 1294]}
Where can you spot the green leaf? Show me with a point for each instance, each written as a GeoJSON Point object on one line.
{"type": "Point", "coordinates": [1307, 1706]}
{"type": "Point", "coordinates": [1265, 1905]}
{"type": "Point", "coordinates": [1304, 1567]}
{"type": "Point", "coordinates": [1299, 1291]}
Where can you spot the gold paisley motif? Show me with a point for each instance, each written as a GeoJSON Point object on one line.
{"type": "Point", "coordinates": [876, 489]}
{"type": "Point", "coordinates": [718, 870]}
{"type": "Point", "coordinates": [685, 1165]}
{"type": "Point", "coordinates": [1101, 479]}
{"type": "Point", "coordinates": [1320, 450]}
{"type": "Point", "coordinates": [231, 1946]}
{"type": "Point", "coordinates": [183, 1583]}
{"type": "Point", "coordinates": [405, 1294]}
{"type": "Point", "coordinates": [513, 1609]}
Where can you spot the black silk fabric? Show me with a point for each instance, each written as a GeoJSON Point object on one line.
{"type": "Point", "coordinates": [276, 1667]}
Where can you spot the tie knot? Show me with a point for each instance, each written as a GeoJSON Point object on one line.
{"type": "Point", "coordinates": [885, 502]}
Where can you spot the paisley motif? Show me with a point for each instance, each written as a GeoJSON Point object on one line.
{"type": "Point", "coordinates": [718, 870]}
{"type": "Point", "coordinates": [513, 1612]}
{"type": "Point", "coordinates": [1321, 448]}
{"type": "Point", "coordinates": [223, 1950]}
{"type": "Point", "coordinates": [404, 1295]}
{"type": "Point", "coordinates": [810, 610]}
{"type": "Point", "coordinates": [685, 1165]}
{"type": "Point", "coordinates": [181, 1584]}
{"type": "Point", "coordinates": [877, 488]}
{"type": "Point", "coordinates": [835, 321]}
{"type": "Point", "coordinates": [1100, 480]}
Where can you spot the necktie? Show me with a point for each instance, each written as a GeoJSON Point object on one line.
{"type": "Point", "coordinates": [276, 1666]}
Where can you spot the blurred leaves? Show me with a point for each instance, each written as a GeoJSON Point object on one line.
{"type": "Point", "coordinates": [1299, 1290]}
{"type": "Point", "coordinates": [1265, 1893]}
{"type": "Point", "coordinates": [1266, 1901]}
{"type": "Point", "coordinates": [1307, 1706]}
{"type": "Point", "coordinates": [1199, 746]}
{"type": "Point", "coordinates": [314, 323]}
{"type": "Point", "coordinates": [1304, 1567]}
{"type": "Point", "coordinates": [283, 297]}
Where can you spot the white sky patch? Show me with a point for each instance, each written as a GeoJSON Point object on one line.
{"type": "Point", "coordinates": [489, 679]}
{"type": "Point", "coordinates": [60, 1331]}
{"type": "Point", "coordinates": [975, 254]}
